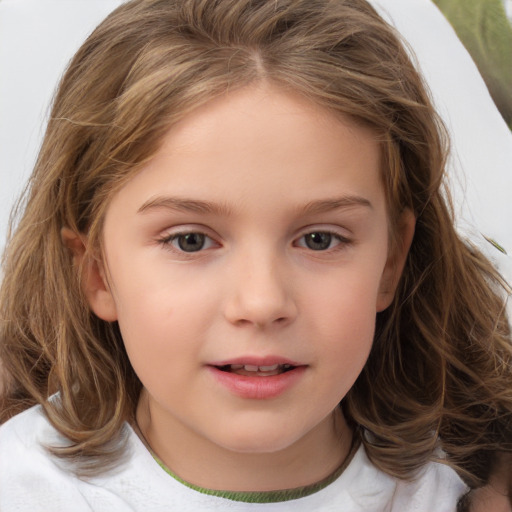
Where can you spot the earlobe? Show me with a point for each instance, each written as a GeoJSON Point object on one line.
{"type": "Point", "coordinates": [396, 260]}
{"type": "Point", "coordinates": [92, 276]}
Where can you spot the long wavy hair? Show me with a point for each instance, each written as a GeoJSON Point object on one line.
{"type": "Point", "coordinates": [439, 373]}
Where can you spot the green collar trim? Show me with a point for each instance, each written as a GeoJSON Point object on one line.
{"type": "Point", "coordinates": [268, 496]}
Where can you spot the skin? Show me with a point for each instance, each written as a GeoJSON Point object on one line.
{"type": "Point", "coordinates": [255, 171]}
{"type": "Point", "coordinates": [496, 496]}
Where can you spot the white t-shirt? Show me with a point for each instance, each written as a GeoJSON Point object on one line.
{"type": "Point", "coordinates": [32, 480]}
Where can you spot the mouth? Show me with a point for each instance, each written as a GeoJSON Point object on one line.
{"type": "Point", "coordinates": [251, 370]}
{"type": "Point", "coordinates": [257, 378]}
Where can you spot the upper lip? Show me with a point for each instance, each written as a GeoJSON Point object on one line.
{"type": "Point", "coordinates": [256, 361]}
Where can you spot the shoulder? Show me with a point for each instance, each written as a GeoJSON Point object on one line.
{"type": "Point", "coordinates": [23, 436]}
{"type": "Point", "coordinates": [27, 434]}
{"type": "Point", "coordinates": [29, 477]}
{"type": "Point", "coordinates": [23, 425]}
{"type": "Point", "coordinates": [33, 479]}
{"type": "Point", "coordinates": [435, 488]}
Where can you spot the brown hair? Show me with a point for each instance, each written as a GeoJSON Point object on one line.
{"type": "Point", "coordinates": [440, 367]}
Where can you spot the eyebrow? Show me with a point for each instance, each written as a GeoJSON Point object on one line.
{"type": "Point", "coordinates": [207, 207]}
{"type": "Point", "coordinates": [184, 205]}
{"type": "Point", "coordinates": [335, 203]}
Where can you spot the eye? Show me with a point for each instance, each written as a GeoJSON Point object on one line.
{"type": "Point", "coordinates": [320, 240]}
{"type": "Point", "coordinates": [189, 242]}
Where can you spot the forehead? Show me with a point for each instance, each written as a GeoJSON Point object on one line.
{"type": "Point", "coordinates": [261, 141]}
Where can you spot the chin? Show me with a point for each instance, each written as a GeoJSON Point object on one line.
{"type": "Point", "coordinates": [257, 441]}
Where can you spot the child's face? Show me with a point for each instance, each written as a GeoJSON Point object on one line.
{"type": "Point", "coordinates": [257, 236]}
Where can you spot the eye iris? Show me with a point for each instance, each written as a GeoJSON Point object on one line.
{"type": "Point", "coordinates": [191, 242]}
{"type": "Point", "coordinates": [318, 241]}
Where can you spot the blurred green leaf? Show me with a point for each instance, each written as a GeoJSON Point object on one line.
{"type": "Point", "coordinates": [486, 32]}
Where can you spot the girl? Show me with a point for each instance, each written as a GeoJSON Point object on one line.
{"type": "Point", "coordinates": [236, 280]}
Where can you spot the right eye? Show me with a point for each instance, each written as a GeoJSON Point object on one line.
{"type": "Point", "coordinates": [189, 242]}
{"type": "Point", "coordinates": [322, 241]}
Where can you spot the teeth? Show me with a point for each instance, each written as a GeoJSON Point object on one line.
{"type": "Point", "coordinates": [254, 368]}
{"type": "Point", "coordinates": [268, 368]}
{"type": "Point", "coordinates": [257, 369]}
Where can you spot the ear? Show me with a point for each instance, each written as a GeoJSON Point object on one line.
{"type": "Point", "coordinates": [92, 276]}
{"type": "Point", "coordinates": [396, 259]}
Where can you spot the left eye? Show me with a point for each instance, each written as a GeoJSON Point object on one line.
{"type": "Point", "coordinates": [319, 240]}
{"type": "Point", "coordinates": [189, 242]}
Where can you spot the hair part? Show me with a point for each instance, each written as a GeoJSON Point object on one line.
{"type": "Point", "coordinates": [440, 367]}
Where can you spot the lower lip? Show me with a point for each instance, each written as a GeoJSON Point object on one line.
{"type": "Point", "coordinates": [258, 388]}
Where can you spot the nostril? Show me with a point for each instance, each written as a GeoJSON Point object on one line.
{"type": "Point", "coordinates": [246, 307]}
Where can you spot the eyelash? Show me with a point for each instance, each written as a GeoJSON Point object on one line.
{"type": "Point", "coordinates": [343, 241]}
{"type": "Point", "coordinates": [168, 240]}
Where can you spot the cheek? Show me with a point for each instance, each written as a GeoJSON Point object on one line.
{"type": "Point", "coordinates": [348, 333]}
{"type": "Point", "coordinates": [344, 316]}
{"type": "Point", "coordinates": [161, 344]}
{"type": "Point", "coordinates": [349, 296]}
{"type": "Point", "coordinates": [163, 320]}
{"type": "Point", "coordinates": [153, 294]}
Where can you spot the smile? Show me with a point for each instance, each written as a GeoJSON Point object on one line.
{"type": "Point", "coordinates": [257, 380]}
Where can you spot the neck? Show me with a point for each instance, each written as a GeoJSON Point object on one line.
{"type": "Point", "coordinates": [202, 463]}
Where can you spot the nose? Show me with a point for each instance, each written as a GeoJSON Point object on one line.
{"type": "Point", "coordinates": [260, 292]}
